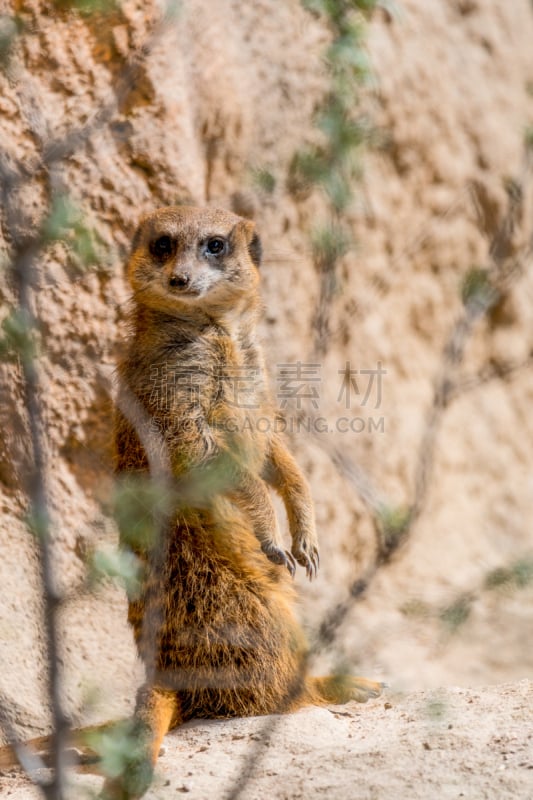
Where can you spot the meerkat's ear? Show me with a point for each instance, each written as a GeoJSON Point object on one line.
{"type": "Point", "coordinates": [255, 248]}
{"type": "Point", "coordinates": [253, 242]}
{"type": "Point", "coordinates": [135, 242]}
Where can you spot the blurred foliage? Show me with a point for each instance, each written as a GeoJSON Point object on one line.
{"type": "Point", "coordinates": [393, 523]}
{"type": "Point", "coordinates": [17, 339]}
{"type": "Point", "coordinates": [528, 137]}
{"type": "Point", "coordinates": [416, 608]}
{"type": "Point", "coordinates": [88, 6]}
{"type": "Point", "coordinates": [67, 223]}
{"type": "Point", "coordinates": [38, 523]}
{"type": "Point", "coordinates": [476, 288]}
{"type": "Point", "coordinates": [264, 179]}
{"type": "Point", "coordinates": [516, 576]}
{"type": "Point", "coordinates": [337, 10]}
{"type": "Point", "coordinates": [334, 164]}
{"type": "Point", "coordinates": [329, 244]}
{"type": "Point", "coordinates": [10, 28]}
{"type": "Point", "coordinates": [136, 505]}
{"type": "Point", "coordinates": [121, 748]}
{"type": "Point", "coordinates": [436, 708]}
{"type": "Point", "coordinates": [117, 564]}
{"type": "Point", "coordinates": [457, 613]}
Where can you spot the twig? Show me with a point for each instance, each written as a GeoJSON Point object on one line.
{"type": "Point", "coordinates": [22, 269]}
{"type": "Point", "coordinates": [491, 372]}
{"type": "Point", "coordinates": [160, 478]}
{"type": "Point", "coordinates": [499, 278]}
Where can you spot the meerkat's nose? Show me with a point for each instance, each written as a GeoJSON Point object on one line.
{"type": "Point", "coordinates": [180, 280]}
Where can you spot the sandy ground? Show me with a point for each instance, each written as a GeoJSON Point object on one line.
{"type": "Point", "coordinates": [444, 744]}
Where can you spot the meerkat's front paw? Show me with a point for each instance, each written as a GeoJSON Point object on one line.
{"type": "Point", "coordinates": [307, 556]}
{"type": "Point", "coordinates": [279, 556]}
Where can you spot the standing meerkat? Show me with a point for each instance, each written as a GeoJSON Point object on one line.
{"type": "Point", "coordinates": [226, 642]}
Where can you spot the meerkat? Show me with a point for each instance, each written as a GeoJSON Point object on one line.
{"type": "Point", "coordinates": [228, 642]}
{"type": "Point", "coordinates": [214, 621]}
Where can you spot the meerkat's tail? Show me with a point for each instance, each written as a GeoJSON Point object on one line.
{"type": "Point", "coordinates": [78, 752]}
{"type": "Point", "coordinates": [339, 689]}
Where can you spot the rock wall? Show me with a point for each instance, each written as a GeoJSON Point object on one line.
{"type": "Point", "coordinates": [227, 90]}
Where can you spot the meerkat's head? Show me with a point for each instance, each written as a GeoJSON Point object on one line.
{"type": "Point", "coordinates": [184, 258]}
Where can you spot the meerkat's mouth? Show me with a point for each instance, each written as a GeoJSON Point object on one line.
{"type": "Point", "coordinates": [186, 292]}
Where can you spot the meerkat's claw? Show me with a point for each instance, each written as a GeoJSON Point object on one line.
{"type": "Point", "coordinates": [315, 561]}
{"type": "Point", "coordinates": [280, 557]}
{"type": "Point", "coordinates": [291, 563]}
{"type": "Point", "coordinates": [311, 569]}
{"type": "Point", "coordinates": [310, 561]}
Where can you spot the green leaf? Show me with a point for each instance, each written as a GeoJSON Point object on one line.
{"type": "Point", "coordinates": [66, 223]}
{"type": "Point", "coordinates": [119, 746]}
{"type": "Point", "coordinates": [10, 28]}
{"type": "Point", "coordinates": [18, 337]}
{"type": "Point", "coordinates": [517, 576]}
{"type": "Point", "coordinates": [329, 244]}
{"type": "Point", "coordinates": [345, 56]}
{"type": "Point", "coordinates": [137, 506]}
{"type": "Point", "coordinates": [264, 180]}
{"type": "Point", "coordinates": [393, 523]}
{"type": "Point", "coordinates": [477, 289]}
{"type": "Point", "coordinates": [117, 564]}
{"type": "Point", "coordinates": [366, 5]}
{"type": "Point", "coordinates": [38, 523]}
{"type": "Point", "coordinates": [309, 165]}
{"type": "Point", "coordinates": [457, 613]}
{"type": "Point", "coordinates": [61, 219]}
{"type": "Point", "coordinates": [338, 188]}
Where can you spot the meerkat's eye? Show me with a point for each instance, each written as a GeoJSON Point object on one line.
{"type": "Point", "coordinates": [162, 248]}
{"type": "Point", "coordinates": [216, 246]}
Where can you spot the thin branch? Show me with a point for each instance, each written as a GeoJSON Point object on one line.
{"type": "Point", "coordinates": [161, 480]}
{"type": "Point", "coordinates": [22, 269]}
{"type": "Point", "coordinates": [489, 373]}
{"type": "Point", "coordinates": [501, 275]}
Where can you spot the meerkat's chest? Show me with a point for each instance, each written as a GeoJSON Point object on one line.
{"type": "Point", "coordinates": [208, 379]}
{"type": "Point", "coordinates": [215, 385]}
